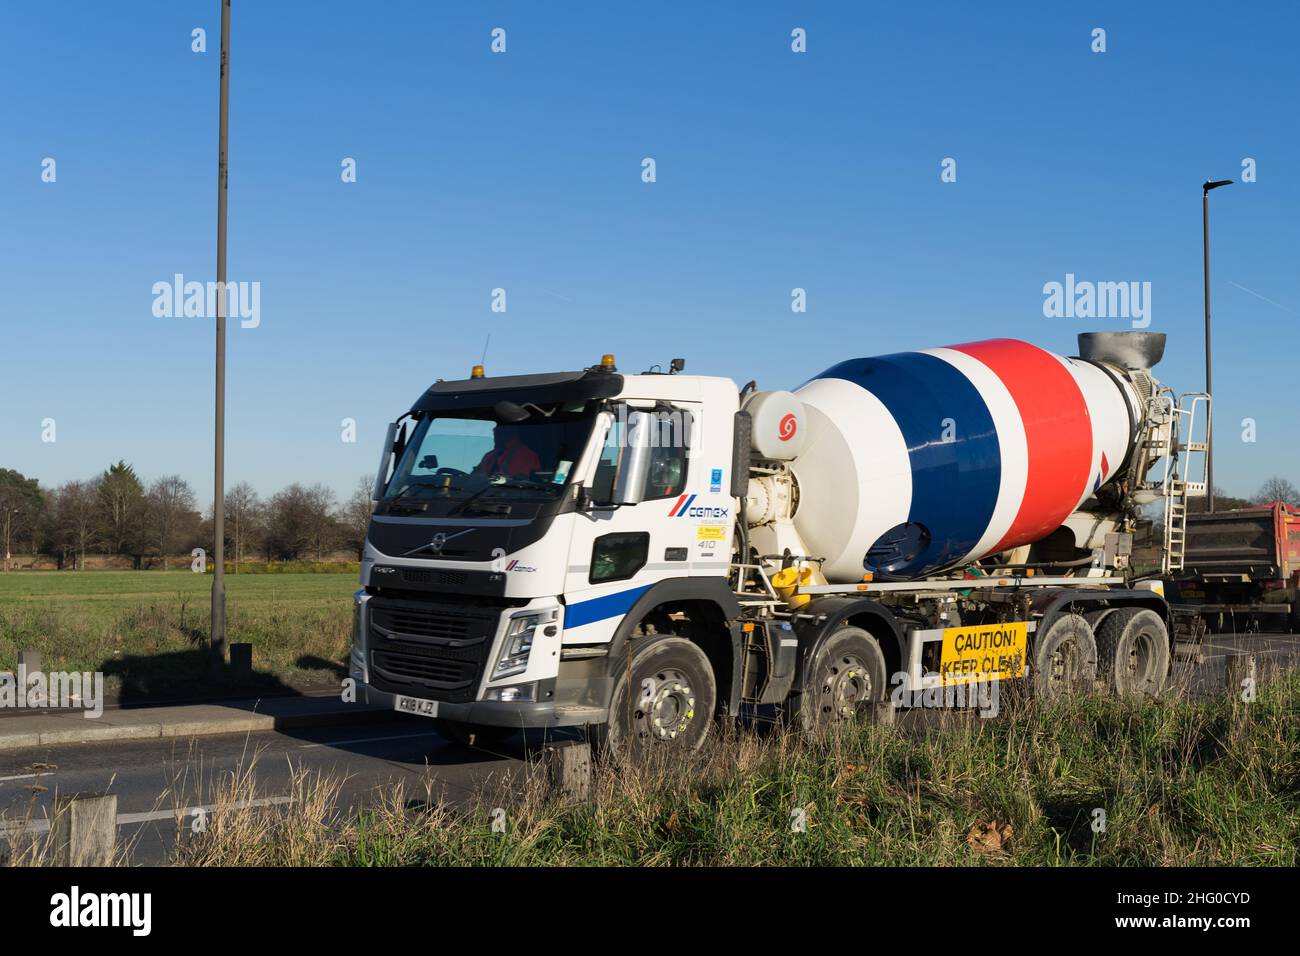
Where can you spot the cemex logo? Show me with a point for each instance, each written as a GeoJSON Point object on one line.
{"type": "Point", "coordinates": [685, 507]}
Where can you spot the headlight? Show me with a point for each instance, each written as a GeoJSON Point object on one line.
{"type": "Point", "coordinates": [518, 645]}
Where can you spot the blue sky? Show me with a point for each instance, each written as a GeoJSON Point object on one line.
{"type": "Point", "coordinates": [522, 170]}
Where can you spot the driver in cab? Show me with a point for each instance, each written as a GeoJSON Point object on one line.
{"type": "Point", "coordinates": [509, 456]}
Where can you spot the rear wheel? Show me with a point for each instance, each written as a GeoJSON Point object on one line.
{"type": "Point", "coordinates": [845, 676]}
{"type": "Point", "coordinates": [1133, 651]}
{"type": "Point", "coordinates": [1065, 656]}
{"type": "Point", "coordinates": [664, 700]}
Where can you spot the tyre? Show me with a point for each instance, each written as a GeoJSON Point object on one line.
{"type": "Point", "coordinates": [1065, 656]}
{"type": "Point", "coordinates": [664, 700]}
{"type": "Point", "coordinates": [844, 677]}
{"type": "Point", "coordinates": [473, 735]}
{"type": "Point", "coordinates": [1133, 651]}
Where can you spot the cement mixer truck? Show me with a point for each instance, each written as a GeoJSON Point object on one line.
{"type": "Point", "coordinates": [645, 554]}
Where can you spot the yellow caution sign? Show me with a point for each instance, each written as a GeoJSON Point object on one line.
{"type": "Point", "coordinates": [711, 532]}
{"type": "Point", "coordinates": [983, 652]}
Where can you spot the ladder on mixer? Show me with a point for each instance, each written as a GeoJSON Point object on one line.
{"type": "Point", "coordinates": [1178, 485]}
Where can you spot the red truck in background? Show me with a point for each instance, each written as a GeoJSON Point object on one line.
{"type": "Point", "coordinates": [1241, 568]}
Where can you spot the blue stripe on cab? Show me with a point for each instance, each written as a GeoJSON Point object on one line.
{"type": "Point", "coordinates": [598, 609]}
{"type": "Point", "coordinates": [955, 483]}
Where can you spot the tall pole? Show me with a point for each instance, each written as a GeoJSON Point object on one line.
{"type": "Point", "coordinates": [1209, 386]}
{"type": "Point", "coordinates": [219, 458]}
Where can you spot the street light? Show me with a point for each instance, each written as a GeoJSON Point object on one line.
{"type": "Point", "coordinates": [1208, 185]}
{"type": "Point", "coordinates": [219, 457]}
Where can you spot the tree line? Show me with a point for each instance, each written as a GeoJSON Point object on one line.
{"type": "Point", "coordinates": [116, 513]}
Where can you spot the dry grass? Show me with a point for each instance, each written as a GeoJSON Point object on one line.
{"type": "Point", "coordinates": [1181, 782]}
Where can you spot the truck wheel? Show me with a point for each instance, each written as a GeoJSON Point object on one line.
{"type": "Point", "coordinates": [664, 700]}
{"type": "Point", "coordinates": [473, 735]}
{"type": "Point", "coordinates": [1133, 651]}
{"type": "Point", "coordinates": [846, 675]}
{"type": "Point", "coordinates": [1065, 656]}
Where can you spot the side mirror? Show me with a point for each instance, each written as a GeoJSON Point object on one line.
{"type": "Point", "coordinates": [381, 476]}
{"type": "Point", "coordinates": [634, 462]}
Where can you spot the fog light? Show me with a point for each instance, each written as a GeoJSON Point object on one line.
{"type": "Point", "coordinates": [520, 692]}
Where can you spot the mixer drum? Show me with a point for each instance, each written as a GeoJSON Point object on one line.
{"type": "Point", "coordinates": [922, 461]}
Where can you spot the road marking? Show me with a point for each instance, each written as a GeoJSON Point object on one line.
{"type": "Point", "coordinates": [25, 776]}
{"type": "Point", "coordinates": [126, 819]}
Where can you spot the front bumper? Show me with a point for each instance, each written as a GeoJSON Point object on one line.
{"type": "Point", "coordinates": [552, 701]}
{"type": "Point", "coordinates": [495, 713]}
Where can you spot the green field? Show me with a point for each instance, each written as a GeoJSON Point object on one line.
{"type": "Point", "coordinates": [147, 630]}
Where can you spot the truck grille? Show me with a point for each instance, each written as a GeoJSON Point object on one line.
{"type": "Point", "coordinates": [426, 576]}
{"type": "Point", "coordinates": [429, 650]}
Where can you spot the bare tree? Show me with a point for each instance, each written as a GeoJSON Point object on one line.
{"type": "Point", "coordinates": [319, 501]}
{"type": "Point", "coordinates": [1277, 488]}
{"type": "Point", "coordinates": [80, 501]}
{"type": "Point", "coordinates": [288, 524]}
{"type": "Point", "coordinates": [354, 516]}
{"type": "Point", "coordinates": [171, 512]}
{"type": "Point", "coordinates": [243, 513]}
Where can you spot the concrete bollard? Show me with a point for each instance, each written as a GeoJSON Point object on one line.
{"type": "Point", "coordinates": [883, 713]}
{"type": "Point", "coordinates": [241, 660]}
{"type": "Point", "coordinates": [568, 768]}
{"type": "Point", "coordinates": [30, 663]}
{"type": "Point", "coordinates": [84, 830]}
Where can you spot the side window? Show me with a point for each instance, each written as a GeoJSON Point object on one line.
{"type": "Point", "coordinates": [668, 455]}
{"type": "Point", "coordinates": [618, 556]}
{"type": "Point", "coordinates": [602, 486]}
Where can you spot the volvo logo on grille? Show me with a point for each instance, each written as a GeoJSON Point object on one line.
{"type": "Point", "coordinates": [438, 542]}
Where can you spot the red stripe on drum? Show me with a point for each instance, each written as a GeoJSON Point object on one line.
{"type": "Point", "coordinates": [1058, 433]}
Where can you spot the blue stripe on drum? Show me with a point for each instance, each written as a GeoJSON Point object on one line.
{"type": "Point", "coordinates": [954, 483]}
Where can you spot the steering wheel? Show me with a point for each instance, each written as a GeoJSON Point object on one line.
{"type": "Point", "coordinates": [456, 472]}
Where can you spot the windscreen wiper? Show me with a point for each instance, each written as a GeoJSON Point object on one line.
{"type": "Point", "coordinates": [521, 484]}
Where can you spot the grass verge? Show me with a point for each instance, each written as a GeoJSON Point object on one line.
{"type": "Point", "coordinates": [1180, 782]}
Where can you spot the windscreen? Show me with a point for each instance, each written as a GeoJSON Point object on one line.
{"type": "Point", "coordinates": [474, 456]}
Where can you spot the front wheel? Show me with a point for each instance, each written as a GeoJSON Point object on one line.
{"type": "Point", "coordinates": [844, 677]}
{"type": "Point", "coordinates": [664, 700]}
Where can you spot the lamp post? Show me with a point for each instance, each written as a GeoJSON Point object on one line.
{"type": "Point", "coordinates": [219, 457]}
{"type": "Point", "coordinates": [1209, 390]}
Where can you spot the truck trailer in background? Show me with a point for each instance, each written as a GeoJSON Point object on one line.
{"type": "Point", "coordinates": [642, 554]}
{"type": "Point", "coordinates": [1241, 569]}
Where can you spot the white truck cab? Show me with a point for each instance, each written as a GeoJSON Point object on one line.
{"type": "Point", "coordinates": [518, 523]}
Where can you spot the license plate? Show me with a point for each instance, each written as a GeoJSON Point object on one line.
{"type": "Point", "coordinates": [416, 705]}
{"type": "Point", "coordinates": [983, 652]}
